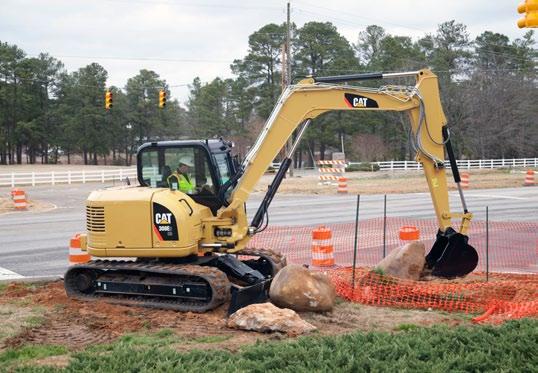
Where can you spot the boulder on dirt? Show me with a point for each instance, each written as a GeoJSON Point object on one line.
{"type": "Point", "coordinates": [406, 262]}
{"type": "Point", "coordinates": [298, 288]}
{"type": "Point", "coordinates": [265, 317]}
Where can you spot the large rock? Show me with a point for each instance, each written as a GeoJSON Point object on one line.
{"type": "Point", "coordinates": [406, 262]}
{"type": "Point", "coordinates": [265, 317]}
{"type": "Point", "coordinates": [298, 288]}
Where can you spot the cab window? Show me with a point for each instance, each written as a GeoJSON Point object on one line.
{"type": "Point", "coordinates": [179, 168]}
{"type": "Point", "coordinates": [223, 167]}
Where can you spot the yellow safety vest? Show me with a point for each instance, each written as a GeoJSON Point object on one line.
{"type": "Point", "coordinates": [179, 180]}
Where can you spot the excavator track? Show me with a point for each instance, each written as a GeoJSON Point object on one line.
{"type": "Point", "coordinates": [156, 285]}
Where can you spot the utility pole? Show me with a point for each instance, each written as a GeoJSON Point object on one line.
{"type": "Point", "coordinates": [288, 76]}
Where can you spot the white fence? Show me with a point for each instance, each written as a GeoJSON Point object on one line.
{"type": "Point", "coordinates": [462, 164]}
{"type": "Point", "coordinates": [119, 174]}
{"type": "Point", "coordinates": [66, 177]}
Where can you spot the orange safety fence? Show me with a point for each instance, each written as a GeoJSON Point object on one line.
{"type": "Point", "coordinates": [511, 290]}
{"type": "Point", "coordinates": [513, 246]}
{"type": "Point", "coordinates": [504, 296]}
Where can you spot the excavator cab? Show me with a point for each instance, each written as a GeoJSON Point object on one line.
{"type": "Point", "coordinates": [202, 169]}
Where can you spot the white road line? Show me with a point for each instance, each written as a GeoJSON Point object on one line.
{"type": "Point", "coordinates": [6, 274]}
{"type": "Point", "coordinates": [493, 196]}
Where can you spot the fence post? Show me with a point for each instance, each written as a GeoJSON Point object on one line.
{"type": "Point", "coordinates": [384, 226]}
{"type": "Point", "coordinates": [52, 177]}
{"type": "Point", "coordinates": [69, 177]}
{"type": "Point", "coordinates": [103, 176]}
{"type": "Point", "coordinates": [487, 243]}
{"type": "Point", "coordinates": [83, 176]}
{"type": "Point", "coordinates": [355, 245]}
{"type": "Point", "coordinates": [405, 165]}
{"type": "Point", "coordinates": [12, 179]}
{"type": "Point", "coordinates": [33, 178]}
{"type": "Point", "coordinates": [121, 174]}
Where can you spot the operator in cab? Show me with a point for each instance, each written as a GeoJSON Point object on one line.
{"type": "Point", "coordinates": [180, 179]}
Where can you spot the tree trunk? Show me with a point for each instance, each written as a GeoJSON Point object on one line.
{"type": "Point", "coordinates": [19, 153]}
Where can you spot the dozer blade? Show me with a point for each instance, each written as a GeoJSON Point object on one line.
{"type": "Point", "coordinates": [451, 255]}
{"type": "Point", "coordinates": [243, 296]}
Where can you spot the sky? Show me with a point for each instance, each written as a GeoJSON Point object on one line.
{"type": "Point", "coordinates": [184, 39]}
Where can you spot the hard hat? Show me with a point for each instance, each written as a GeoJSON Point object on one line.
{"type": "Point", "coordinates": [187, 160]}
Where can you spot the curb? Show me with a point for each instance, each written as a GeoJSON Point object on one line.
{"type": "Point", "coordinates": [33, 279]}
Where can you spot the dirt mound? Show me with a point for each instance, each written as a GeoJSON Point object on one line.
{"type": "Point", "coordinates": [77, 324]}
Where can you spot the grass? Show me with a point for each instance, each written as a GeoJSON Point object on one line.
{"type": "Point", "coordinates": [16, 356]}
{"type": "Point", "coordinates": [509, 347]}
{"type": "Point", "coordinates": [34, 321]}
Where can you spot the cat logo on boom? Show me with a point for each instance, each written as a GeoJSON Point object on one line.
{"type": "Point", "coordinates": [358, 101]}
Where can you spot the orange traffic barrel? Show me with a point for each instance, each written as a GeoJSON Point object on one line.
{"type": "Point", "coordinates": [464, 176]}
{"type": "Point", "coordinates": [19, 199]}
{"type": "Point", "coordinates": [409, 233]}
{"type": "Point", "coordinates": [322, 247]}
{"type": "Point", "coordinates": [529, 178]}
{"type": "Point", "coordinates": [76, 254]}
{"type": "Point", "coordinates": [342, 185]}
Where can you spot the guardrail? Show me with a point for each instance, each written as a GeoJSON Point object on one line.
{"type": "Point", "coordinates": [66, 177]}
{"type": "Point", "coordinates": [462, 163]}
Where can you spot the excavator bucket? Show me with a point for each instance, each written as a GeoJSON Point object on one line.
{"type": "Point", "coordinates": [451, 255]}
{"type": "Point", "coordinates": [244, 296]}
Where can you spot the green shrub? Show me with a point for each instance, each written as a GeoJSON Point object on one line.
{"type": "Point", "coordinates": [509, 347]}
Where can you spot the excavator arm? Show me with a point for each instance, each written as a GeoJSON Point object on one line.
{"type": "Point", "coordinates": [299, 104]}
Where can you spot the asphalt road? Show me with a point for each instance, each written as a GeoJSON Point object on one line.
{"type": "Point", "coordinates": [35, 243]}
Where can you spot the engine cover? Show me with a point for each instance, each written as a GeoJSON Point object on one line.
{"type": "Point", "coordinates": [143, 222]}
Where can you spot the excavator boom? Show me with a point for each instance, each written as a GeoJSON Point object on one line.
{"type": "Point", "coordinates": [301, 103]}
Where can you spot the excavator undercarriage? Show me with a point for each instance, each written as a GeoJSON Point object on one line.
{"type": "Point", "coordinates": [203, 284]}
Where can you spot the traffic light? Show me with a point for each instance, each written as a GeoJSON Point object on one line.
{"type": "Point", "coordinates": [108, 100]}
{"type": "Point", "coordinates": [162, 98]}
{"type": "Point", "coordinates": [530, 7]}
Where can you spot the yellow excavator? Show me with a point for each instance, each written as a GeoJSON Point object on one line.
{"type": "Point", "coordinates": [183, 233]}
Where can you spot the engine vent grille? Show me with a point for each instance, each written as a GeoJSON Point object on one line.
{"type": "Point", "coordinates": [95, 219]}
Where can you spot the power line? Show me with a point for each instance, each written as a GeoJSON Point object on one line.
{"type": "Point", "coordinates": [156, 59]}
{"type": "Point", "coordinates": [354, 23]}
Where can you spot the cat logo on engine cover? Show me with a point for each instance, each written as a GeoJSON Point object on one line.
{"type": "Point", "coordinates": [164, 223]}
